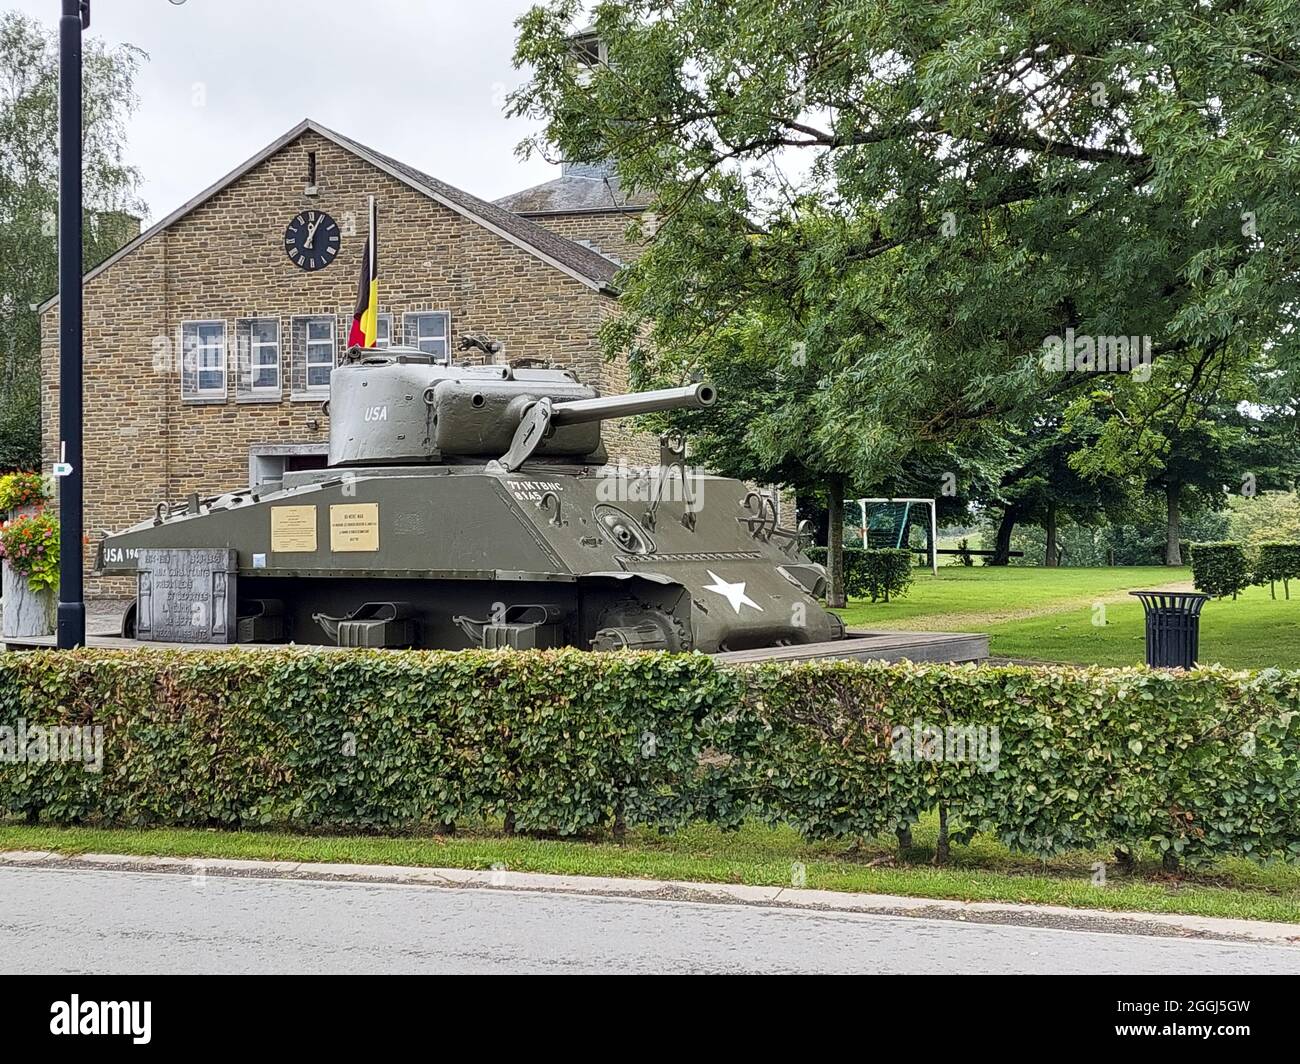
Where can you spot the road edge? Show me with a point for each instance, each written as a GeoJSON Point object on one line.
{"type": "Point", "coordinates": [1158, 924]}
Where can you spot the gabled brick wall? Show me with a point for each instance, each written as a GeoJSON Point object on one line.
{"type": "Point", "coordinates": [606, 231]}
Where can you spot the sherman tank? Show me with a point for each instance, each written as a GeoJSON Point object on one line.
{"type": "Point", "coordinates": [474, 506]}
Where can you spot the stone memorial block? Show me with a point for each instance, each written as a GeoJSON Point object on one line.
{"type": "Point", "coordinates": [186, 595]}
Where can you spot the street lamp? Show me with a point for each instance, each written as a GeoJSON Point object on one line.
{"type": "Point", "coordinates": [72, 607]}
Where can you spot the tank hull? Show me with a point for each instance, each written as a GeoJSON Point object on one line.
{"type": "Point", "coordinates": [546, 555]}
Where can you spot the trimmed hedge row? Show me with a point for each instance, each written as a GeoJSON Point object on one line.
{"type": "Point", "coordinates": [872, 573]}
{"type": "Point", "coordinates": [1278, 561]}
{"type": "Point", "coordinates": [1222, 569]}
{"type": "Point", "coordinates": [1203, 764]}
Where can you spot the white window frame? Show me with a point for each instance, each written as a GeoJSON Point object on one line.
{"type": "Point", "coordinates": [381, 320]}
{"type": "Point", "coordinates": [201, 394]}
{"type": "Point", "coordinates": [254, 346]}
{"type": "Point", "coordinates": [310, 391]}
{"type": "Point", "coordinates": [445, 337]}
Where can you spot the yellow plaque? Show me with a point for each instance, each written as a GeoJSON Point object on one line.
{"type": "Point", "coordinates": [354, 526]}
{"type": "Point", "coordinates": [293, 529]}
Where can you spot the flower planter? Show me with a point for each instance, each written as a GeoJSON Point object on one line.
{"type": "Point", "coordinates": [25, 612]}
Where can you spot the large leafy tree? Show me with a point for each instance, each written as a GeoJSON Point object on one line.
{"type": "Point", "coordinates": [29, 201]}
{"type": "Point", "coordinates": [913, 198]}
{"type": "Point", "coordinates": [1206, 431]}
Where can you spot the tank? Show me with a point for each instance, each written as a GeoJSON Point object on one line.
{"type": "Point", "coordinates": [474, 506]}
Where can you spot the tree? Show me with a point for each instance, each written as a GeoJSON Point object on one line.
{"type": "Point", "coordinates": [1223, 451]}
{"type": "Point", "coordinates": [29, 201]}
{"type": "Point", "coordinates": [1041, 486]}
{"type": "Point", "coordinates": [1194, 441]}
{"type": "Point", "coordinates": [972, 181]}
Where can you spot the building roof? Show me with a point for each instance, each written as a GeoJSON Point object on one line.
{"type": "Point", "coordinates": [581, 187]}
{"type": "Point", "coordinates": [581, 263]}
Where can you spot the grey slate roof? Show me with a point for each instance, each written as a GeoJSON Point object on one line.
{"type": "Point", "coordinates": [582, 263]}
{"type": "Point", "coordinates": [577, 189]}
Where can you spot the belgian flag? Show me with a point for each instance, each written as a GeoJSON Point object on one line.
{"type": "Point", "coordinates": [365, 322]}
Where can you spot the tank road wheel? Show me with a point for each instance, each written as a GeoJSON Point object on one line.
{"type": "Point", "coordinates": [634, 625]}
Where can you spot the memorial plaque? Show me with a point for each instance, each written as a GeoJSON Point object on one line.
{"type": "Point", "coordinates": [293, 529]}
{"type": "Point", "coordinates": [186, 595]}
{"type": "Point", "coordinates": [354, 526]}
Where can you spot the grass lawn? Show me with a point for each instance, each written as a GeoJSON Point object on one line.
{"type": "Point", "coordinates": [982, 871]}
{"type": "Point", "coordinates": [1051, 614]}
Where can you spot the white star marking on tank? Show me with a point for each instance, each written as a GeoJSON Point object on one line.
{"type": "Point", "coordinates": [733, 593]}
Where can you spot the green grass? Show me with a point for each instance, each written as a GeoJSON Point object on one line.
{"type": "Point", "coordinates": [982, 871]}
{"type": "Point", "coordinates": [1051, 615]}
{"type": "Point", "coordinates": [1252, 632]}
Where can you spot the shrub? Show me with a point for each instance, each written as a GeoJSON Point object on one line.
{"type": "Point", "coordinates": [31, 547]}
{"type": "Point", "coordinates": [1220, 569]}
{"type": "Point", "coordinates": [874, 574]}
{"type": "Point", "coordinates": [21, 489]}
{"type": "Point", "coordinates": [1200, 765]}
{"type": "Point", "coordinates": [963, 552]}
{"type": "Point", "coordinates": [563, 741]}
{"type": "Point", "coordinates": [1197, 764]}
{"type": "Point", "coordinates": [1278, 561]}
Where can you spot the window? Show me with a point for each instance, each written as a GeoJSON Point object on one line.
{"type": "Point", "coordinates": [203, 360]}
{"type": "Point", "coordinates": [320, 352]}
{"type": "Point", "coordinates": [258, 340]}
{"type": "Point", "coordinates": [384, 330]}
{"type": "Point", "coordinates": [314, 356]}
{"type": "Point", "coordinates": [428, 331]}
{"type": "Point", "coordinates": [265, 356]}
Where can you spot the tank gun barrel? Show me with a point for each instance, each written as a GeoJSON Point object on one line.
{"type": "Point", "coordinates": [579, 411]}
{"type": "Point", "coordinates": [544, 416]}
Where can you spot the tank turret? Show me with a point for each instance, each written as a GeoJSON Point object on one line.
{"type": "Point", "coordinates": [401, 406]}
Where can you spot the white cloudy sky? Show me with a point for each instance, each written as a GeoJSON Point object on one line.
{"type": "Point", "coordinates": [421, 80]}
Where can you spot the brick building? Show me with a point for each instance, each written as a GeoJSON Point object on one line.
{"type": "Point", "coordinates": [208, 348]}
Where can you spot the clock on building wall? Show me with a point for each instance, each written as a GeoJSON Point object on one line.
{"type": "Point", "coordinates": [311, 240]}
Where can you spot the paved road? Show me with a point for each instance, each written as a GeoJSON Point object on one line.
{"type": "Point", "coordinates": [61, 921]}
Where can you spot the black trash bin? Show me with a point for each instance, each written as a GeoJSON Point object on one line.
{"type": "Point", "coordinates": [1173, 627]}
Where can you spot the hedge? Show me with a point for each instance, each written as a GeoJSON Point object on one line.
{"type": "Point", "coordinates": [1202, 764]}
{"type": "Point", "coordinates": [1278, 561]}
{"type": "Point", "coordinates": [1220, 569]}
{"type": "Point", "coordinates": [875, 573]}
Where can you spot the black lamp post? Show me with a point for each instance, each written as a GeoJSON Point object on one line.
{"type": "Point", "coordinates": [72, 608]}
